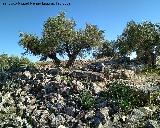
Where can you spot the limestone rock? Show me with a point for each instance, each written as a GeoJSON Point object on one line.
{"type": "Point", "coordinates": [61, 126]}
{"type": "Point", "coordinates": [27, 74]}
{"type": "Point", "coordinates": [53, 71]}
{"type": "Point", "coordinates": [80, 86]}
{"type": "Point", "coordinates": [97, 89]}
{"type": "Point", "coordinates": [136, 115]}
{"type": "Point", "coordinates": [70, 111]}
{"type": "Point", "coordinates": [152, 124]}
{"type": "Point", "coordinates": [87, 75]}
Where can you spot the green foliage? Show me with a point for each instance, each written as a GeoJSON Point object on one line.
{"type": "Point", "coordinates": [106, 50]}
{"type": "Point", "coordinates": [61, 37]}
{"type": "Point", "coordinates": [87, 100]}
{"type": "Point", "coordinates": [9, 86]}
{"type": "Point", "coordinates": [4, 62]}
{"type": "Point", "coordinates": [13, 62]}
{"type": "Point", "coordinates": [67, 79]}
{"type": "Point", "coordinates": [30, 43]}
{"type": "Point", "coordinates": [154, 96]}
{"type": "Point", "coordinates": [43, 64]}
{"type": "Point", "coordinates": [151, 70]}
{"type": "Point", "coordinates": [155, 115]}
{"type": "Point", "coordinates": [136, 35]}
{"type": "Point", "coordinates": [126, 96]}
{"type": "Point", "coordinates": [119, 92]}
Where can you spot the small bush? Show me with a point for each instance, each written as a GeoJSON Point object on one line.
{"type": "Point", "coordinates": [13, 62]}
{"type": "Point", "coordinates": [151, 69]}
{"type": "Point", "coordinates": [155, 98]}
{"type": "Point", "coordinates": [4, 62]}
{"type": "Point", "coordinates": [87, 100]}
{"type": "Point", "coordinates": [9, 86]}
{"type": "Point", "coordinates": [126, 96]}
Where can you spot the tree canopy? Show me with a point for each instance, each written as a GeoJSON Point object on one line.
{"type": "Point", "coordinates": [143, 38]}
{"type": "Point", "coordinates": [60, 36]}
{"type": "Point", "coordinates": [105, 50]}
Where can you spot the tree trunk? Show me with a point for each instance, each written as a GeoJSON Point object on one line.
{"type": "Point", "coordinates": [53, 56]}
{"type": "Point", "coordinates": [153, 59]}
{"type": "Point", "coordinates": [143, 58]}
{"type": "Point", "coordinates": [71, 60]}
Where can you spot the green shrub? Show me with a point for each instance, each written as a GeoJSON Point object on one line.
{"type": "Point", "coordinates": [13, 62]}
{"type": "Point", "coordinates": [87, 100]}
{"type": "Point", "coordinates": [154, 96]}
{"type": "Point", "coordinates": [126, 96]}
{"type": "Point", "coordinates": [156, 114]}
{"type": "Point", "coordinates": [150, 69]}
{"type": "Point", "coordinates": [4, 62]}
{"type": "Point", "coordinates": [9, 86]}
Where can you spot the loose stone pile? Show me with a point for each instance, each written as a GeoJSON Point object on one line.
{"type": "Point", "coordinates": [63, 98]}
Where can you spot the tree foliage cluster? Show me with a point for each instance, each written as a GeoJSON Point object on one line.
{"type": "Point", "coordinates": [13, 62]}
{"type": "Point", "coordinates": [61, 37]}
{"type": "Point", "coordinates": [142, 38]}
{"type": "Point", "coordinates": [105, 50]}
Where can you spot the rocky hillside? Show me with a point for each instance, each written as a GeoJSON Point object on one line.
{"type": "Point", "coordinates": [89, 95]}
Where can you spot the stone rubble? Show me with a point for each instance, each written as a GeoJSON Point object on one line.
{"type": "Point", "coordinates": [50, 98]}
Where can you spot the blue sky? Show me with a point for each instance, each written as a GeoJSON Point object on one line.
{"type": "Point", "coordinates": [109, 15]}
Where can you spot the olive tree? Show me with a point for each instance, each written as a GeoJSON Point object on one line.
{"type": "Point", "coordinates": [60, 36]}
{"type": "Point", "coordinates": [142, 38]}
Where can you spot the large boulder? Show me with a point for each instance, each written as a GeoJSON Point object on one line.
{"type": "Point", "coordinates": [54, 71]}
{"type": "Point", "coordinates": [96, 67]}
{"type": "Point", "coordinates": [129, 73]}
{"type": "Point", "coordinates": [57, 71]}
{"type": "Point", "coordinates": [87, 75]}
